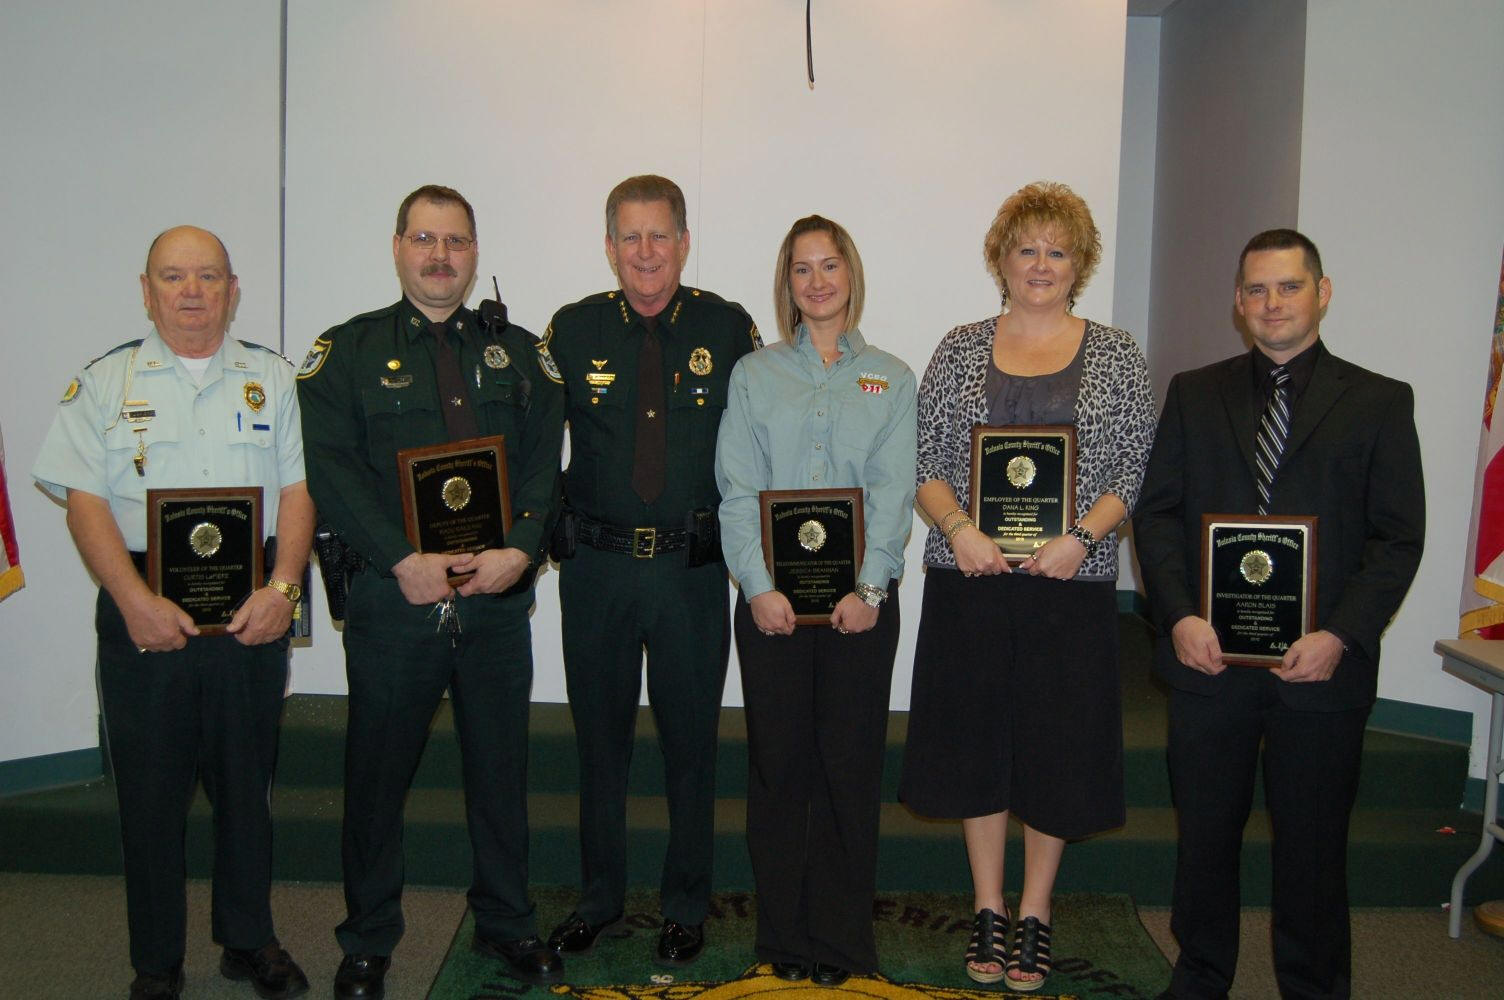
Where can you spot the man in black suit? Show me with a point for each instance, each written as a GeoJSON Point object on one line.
{"type": "Point", "coordinates": [1351, 458]}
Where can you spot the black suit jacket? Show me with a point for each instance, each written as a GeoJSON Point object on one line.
{"type": "Point", "coordinates": [1352, 459]}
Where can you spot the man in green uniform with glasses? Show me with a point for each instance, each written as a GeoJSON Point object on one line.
{"type": "Point", "coordinates": [427, 371]}
{"type": "Point", "coordinates": [645, 371]}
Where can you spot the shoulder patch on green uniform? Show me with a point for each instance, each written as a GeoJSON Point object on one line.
{"type": "Point", "coordinates": [129, 345]}
{"type": "Point", "coordinates": [317, 355]}
{"type": "Point", "coordinates": [756, 338]}
{"type": "Point", "coordinates": [547, 363]}
{"type": "Point", "coordinates": [70, 393]}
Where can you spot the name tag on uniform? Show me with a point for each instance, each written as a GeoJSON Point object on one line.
{"type": "Point", "coordinates": [396, 381]}
{"type": "Point", "coordinates": [136, 411]}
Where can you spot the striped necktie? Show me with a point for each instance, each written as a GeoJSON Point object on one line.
{"type": "Point", "coordinates": [1274, 429]}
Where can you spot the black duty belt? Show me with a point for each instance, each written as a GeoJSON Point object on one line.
{"type": "Point", "coordinates": [643, 543]}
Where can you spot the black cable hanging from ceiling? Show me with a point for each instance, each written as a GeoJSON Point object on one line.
{"type": "Point", "coordinates": [809, 44]}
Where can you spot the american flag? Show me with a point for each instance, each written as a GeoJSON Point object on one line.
{"type": "Point", "coordinates": [11, 579]}
{"type": "Point", "coordinates": [1482, 610]}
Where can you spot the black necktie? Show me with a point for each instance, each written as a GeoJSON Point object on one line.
{"type": "Point", "coordinates": [1274, 429]}
{"type": "Point", "coordinates": [650, 456]}
{"type": "Point", "coordinates": [459, 418]}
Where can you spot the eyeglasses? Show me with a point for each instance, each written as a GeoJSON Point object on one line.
{"type": "Point", "coordinates": [427, 241]}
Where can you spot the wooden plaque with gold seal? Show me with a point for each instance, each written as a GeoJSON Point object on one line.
{"type": "Point", "coordinates": [205, 550]}
{"type": "Point", "coordinates": [1023, 485]}
{"type": "Point", "coordinates": [455, 498]}
{"type": "Point", "coordinates": [813, 541]}
{"type": "Point", "coordinates": [1258, 584]}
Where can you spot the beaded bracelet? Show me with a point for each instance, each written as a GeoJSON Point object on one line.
{"type": "Point", "coordinates": [957, 526]}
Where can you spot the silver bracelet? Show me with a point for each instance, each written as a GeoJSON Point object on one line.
{"type": "Point", "coordinates": [871, 594]}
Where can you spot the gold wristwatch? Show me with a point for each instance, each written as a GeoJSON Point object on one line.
{"type": "Point", "coordinates": [291, 591]}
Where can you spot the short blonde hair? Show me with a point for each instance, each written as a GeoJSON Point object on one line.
{"type": "Point", "coordinates": [1048, 205]}
{"type": "Point", "coordinates": [784, 307]}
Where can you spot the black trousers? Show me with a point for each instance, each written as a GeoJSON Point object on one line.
{"type": "Point", "coordinates": [398, 665]}
{"type": "Point", "coordinates": [817, 719]}
{"type": "Point", "coordinates": [209, 710]}
{"type": "Point", "coordinates": [1310, 782]}
{"type": "Point", "coordinates": [613, 607]}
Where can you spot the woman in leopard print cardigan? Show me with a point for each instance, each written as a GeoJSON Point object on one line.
{"type": "Point", "coordinates": [1016, 704]}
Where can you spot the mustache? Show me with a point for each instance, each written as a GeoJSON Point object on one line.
{"type": "Point", "coordinates": [439, 267]}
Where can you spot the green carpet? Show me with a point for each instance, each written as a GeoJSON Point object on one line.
{"type": "Point", "coordinates": [1101, 950]}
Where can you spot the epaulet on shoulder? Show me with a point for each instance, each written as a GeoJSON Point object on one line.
{"type": "Point", "coordinates": [128, 345]}
{"type": "Point", "coordinates": [252, 345]}
{"type": "Point", "coordinates": [384, 313]}
{"type": "Point", "coordinates": [701, 295]}
{"type": "Point", "coordinates": [599, 298]}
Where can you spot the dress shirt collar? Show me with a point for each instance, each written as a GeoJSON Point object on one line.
{"type": "Point", "coordinates": [851, 343]}
{"type": "Point", "coordinates": [1300, 368]}
{"type": "Point", "coordinates": [667, 317]}
{"type": "Point", "coordinates": [412, 321]}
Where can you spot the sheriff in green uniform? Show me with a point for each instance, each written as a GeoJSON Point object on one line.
{"type": "Point", "coordinates": [422, 372]}
{"type": "Point", "coordinates": [645, 372]}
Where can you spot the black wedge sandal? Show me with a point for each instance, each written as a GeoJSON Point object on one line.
{"type": "Point", "coordinates": [989, 943]}
{"type": "Point", "coordinates": [1031, 953]}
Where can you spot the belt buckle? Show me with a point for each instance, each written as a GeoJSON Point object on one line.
{"type": "Point", "coordinates": [644, 542]}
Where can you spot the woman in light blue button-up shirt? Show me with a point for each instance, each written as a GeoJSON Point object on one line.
{"type": "Point", "coordinates": [822, 409]}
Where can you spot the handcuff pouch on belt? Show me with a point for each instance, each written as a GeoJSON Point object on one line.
{"type": "Point", "coordinates": [703, 546]}
{"type": "Point", "coordinates": [337, 564]}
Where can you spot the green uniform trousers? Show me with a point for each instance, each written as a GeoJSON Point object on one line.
{"type": "Point", "coordinates": [398, 665]}
{"type": "Point", "coordinates": [210, 710]}
{"type": "Point", "coordinates": [614, 606]}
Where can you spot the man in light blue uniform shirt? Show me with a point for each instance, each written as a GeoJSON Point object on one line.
{"type": "Point", "coordinates": [184, 407]}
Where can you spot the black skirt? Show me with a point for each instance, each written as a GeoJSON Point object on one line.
{"type": "Point", "coordinates": [1017, 703]}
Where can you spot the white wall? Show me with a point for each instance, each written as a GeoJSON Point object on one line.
{"type": "Point", "coordinates": [119, 121]}
{"type": "Point", "coordinates": [924, 117]}
{"type": "Point", "coordinates": [916, 130]}
{"type": "Point", "coordinates": [1402, 188]}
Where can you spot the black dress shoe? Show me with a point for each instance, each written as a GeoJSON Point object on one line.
{"type": "Point", "coordinates": [271, 970]}
{"type": "Point", "coordinates": [576, 935]}
{"type": "Point", "coordinates": [792, 971]}
{"type": "Point", "coordinates": [362, 977]}
{"type": "Point", "coordinates": [828, 975]}
{"type": "Point", "coordinates": [679, 944]}
{"type": "Point", "coordinates": [158, 986]}
{"type": "Point", "coordinates": [528, 959]}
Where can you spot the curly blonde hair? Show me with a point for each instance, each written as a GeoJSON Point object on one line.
{"type": "Point", "coordinates": [1049, 205]}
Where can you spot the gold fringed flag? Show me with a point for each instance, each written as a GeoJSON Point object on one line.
{"type": "Point", "coordinates": [1483, 575]}
{"type": "Point", "coordinates": [11, 579]}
